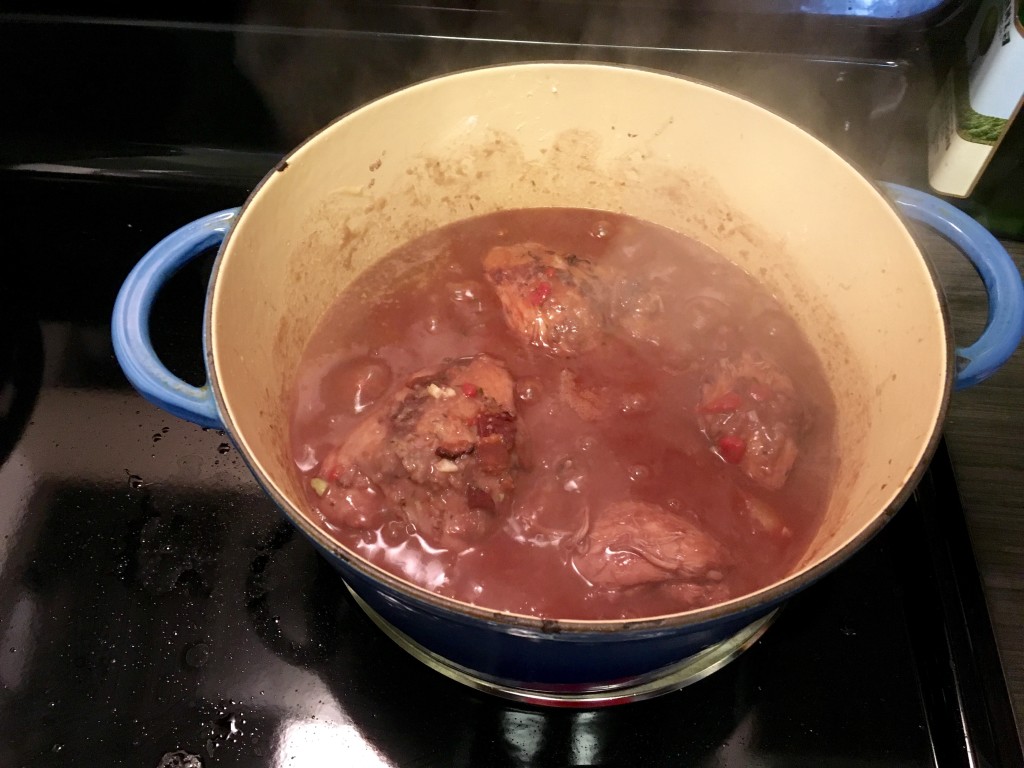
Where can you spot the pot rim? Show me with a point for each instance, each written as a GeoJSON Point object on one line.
{"type": "Point", "coordinates": [768, 595]}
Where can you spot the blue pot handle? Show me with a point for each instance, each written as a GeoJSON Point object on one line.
{"type": "Point", "coordinates": [130, 323]}
{"type": "Point", "coordinates": [134, 350]}
{"type": "Point", "coordinates": [1005, 327]}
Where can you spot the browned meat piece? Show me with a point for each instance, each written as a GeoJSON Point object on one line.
{"type": "Point", "coordinates": [442, 455]}
{"type": "Point", "coordinates": [588, 404]}
{"type": "Point", "coordinates": [750, 414]}
{"type": "Point", "coordinates": [633, 543]}
{"type": "Point", "coordinates": [555, 300]}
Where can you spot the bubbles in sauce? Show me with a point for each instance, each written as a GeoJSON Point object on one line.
{"type": "Point", "coordinates": [565, 413]}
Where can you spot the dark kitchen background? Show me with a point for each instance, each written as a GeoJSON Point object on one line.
{"type": "Point", "coordinates": [156, 611]}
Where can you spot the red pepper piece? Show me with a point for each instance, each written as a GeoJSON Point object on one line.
{"type": "Point", "coordinates": [470, 390]}
{"type": "Point", "coordinates": [478, 498]}
{"type": "Point", "coordinates": [502, 424]}
{"type": "Point", "coordinates": [493, 455]}
{"type": "Point", "coordinates": [727, 403]}
{"type": "Point", "coordinates": [732, 448]}
{"type": "Point", "coordinates": [540, 293]}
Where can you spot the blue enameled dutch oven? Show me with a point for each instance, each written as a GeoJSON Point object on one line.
{"type": "Point", "coordinates": [831, 245]}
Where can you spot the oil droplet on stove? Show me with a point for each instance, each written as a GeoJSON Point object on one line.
{"type": "Point", "coordinates": [197, 654]}
{"type": "Point", "coordinates": [57, 748]}
{"type": "Point", "coordinates": [228, 724]}
{"type": "Point", "coordinates": [180, 759]}
{"type": "Point", "coordinates": [223, 448]}
{"type": "Point", "coordinates": [224, 728]}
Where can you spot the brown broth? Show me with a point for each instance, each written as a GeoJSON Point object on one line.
{"type": "Point", "coordinates": [430, 301]}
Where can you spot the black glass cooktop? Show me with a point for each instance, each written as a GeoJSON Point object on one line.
{"type": "Point", "coordinates": [155, 608]}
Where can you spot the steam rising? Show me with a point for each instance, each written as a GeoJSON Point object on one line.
{"type": "Point", "coordinates": [314, 61]}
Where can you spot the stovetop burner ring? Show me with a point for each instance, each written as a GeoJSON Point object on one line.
{"type": "Point", "coordinates": [591, 695]}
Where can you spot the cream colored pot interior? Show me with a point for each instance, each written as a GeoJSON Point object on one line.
{"type": "Point", "coordinates": [664, 149]}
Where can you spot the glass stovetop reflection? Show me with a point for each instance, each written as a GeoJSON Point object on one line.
{"type": "Point", "coordinates": [156, 602]}
{"type": "Point", "coordinates": [156, 610]}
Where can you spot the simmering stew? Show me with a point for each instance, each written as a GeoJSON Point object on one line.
{"type": "Point", "coordinates": [565, 413]}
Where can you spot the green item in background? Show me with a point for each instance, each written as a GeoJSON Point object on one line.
{"type": "Point", "coordinates": [975, 107]}
{"type": "Point", "coordinates": [971, 125]}
{"type": "Point", "coordinates": [998, 199]}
